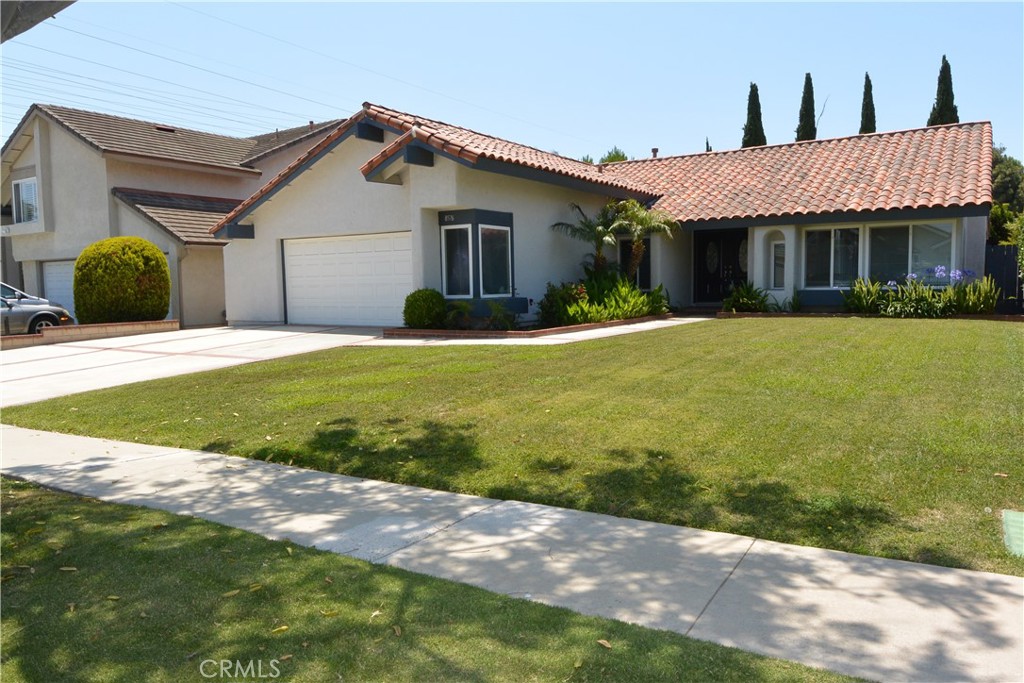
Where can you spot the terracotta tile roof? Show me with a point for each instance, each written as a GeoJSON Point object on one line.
{"type": "Point", "coordinates": [941, 166]}
{"type": "Point", "coordinates": [117, 134]}
{"type": "Point", "coordinates": [471, 146]}
{"type": "Point", "coordinates": [187, 217]}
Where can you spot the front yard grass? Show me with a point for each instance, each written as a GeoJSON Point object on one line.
{"type": "Point", "coordinates": [896, 438]}
{"type": "Point", "coordinates": [155, 597]}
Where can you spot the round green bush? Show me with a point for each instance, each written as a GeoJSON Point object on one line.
{"type": "Point", "coordinates": [121, 279]}
{"type": "Point", "coordinates": [425, 309]}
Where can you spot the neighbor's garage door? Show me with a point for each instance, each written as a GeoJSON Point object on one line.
{"type": "Point", "coordinates": [58, 283]}
{"type": "Point", "coordinates": [352, 280]}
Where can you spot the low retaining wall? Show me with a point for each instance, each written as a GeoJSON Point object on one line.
{"type": "Point", "coordinates": [405, 332]}
{"type": "Point", "coordinates": [57, 335]}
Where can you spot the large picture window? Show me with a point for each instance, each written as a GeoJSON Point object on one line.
{"type": "Point", "coordinates": [831, 257]}
{"type": "Point", "coordinates": [26, 201]}
{"type": "Point", "coordinates": [457, 252]}
{"type": "Point", "coordinates": [495, 261]}
{"type": "Point", "coordinates": [897, 251]}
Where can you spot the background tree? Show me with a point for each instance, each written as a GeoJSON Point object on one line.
{"type": "Point", "coordinates": [944, 111]}
{"type": "Point", "coordinates": [587, 159]}
{"type": "Point", "coordinates": [867, 108]}
{"type": "Point", "coordinates": [1005, 217]}
{"type": "Point", "coordinates": [638, 222]}
{"type": "Point", "coordinates": [707, 145]}
{"type": "Point", "coordinates": [805, 128]}
{"type": "Point", "coordinates": [753, 129]}
{"type": "Point", "coordinates": [614, 154]}
{"type": "Point", "coordinates": [598, 231]}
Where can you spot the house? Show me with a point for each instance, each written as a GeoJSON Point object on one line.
{"type": "Point", "coordinates": [389, 202]}
{"type": "Point", "coordinates": [72, 177]}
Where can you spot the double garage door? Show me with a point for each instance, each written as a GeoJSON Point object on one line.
{"type": "Point", "coordinates": [350, 280]}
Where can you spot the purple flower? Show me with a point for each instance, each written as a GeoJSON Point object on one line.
{"type": "Point", "coordinates": [969, 273]}
{"type": "Point", "coordinates": [956, 276]}
{"type": "Point", "coordinates": [940, 271]}
{"type": "Point", "coordinates": [890, 283]}
{"type": "Point", "coordinates": [911, 277]}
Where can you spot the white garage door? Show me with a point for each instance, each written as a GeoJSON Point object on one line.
{"type": "Point", "coordinates": [352, 280]}
{"type": "Point", "coordinates": [58, 283]}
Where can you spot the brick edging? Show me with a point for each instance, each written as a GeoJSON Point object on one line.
{"type": "Point", "coordinates": [407, 333]}
{"type": "Point", "coordinates": [69, 333]}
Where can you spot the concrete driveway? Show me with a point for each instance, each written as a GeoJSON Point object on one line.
{"type": "Point", "coordinates": [41, 372]}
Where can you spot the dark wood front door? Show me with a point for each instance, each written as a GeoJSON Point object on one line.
{"type": "Point", "coordinates": [719, 263]}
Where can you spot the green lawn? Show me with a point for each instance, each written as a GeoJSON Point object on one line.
{"type": "Point", "coordinates": [154, 596]}
{"type": "Point", "coordinates": [882, 437]}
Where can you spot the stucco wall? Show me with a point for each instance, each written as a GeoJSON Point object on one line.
{"type": "Point", "coordinates": [202, 286]}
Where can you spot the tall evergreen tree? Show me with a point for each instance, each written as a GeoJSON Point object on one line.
{"type": "Point", "coordinates": [805, 128]}
{"type": "Point", "coordinates": [944, 111]}
{"type": "Point", "coordinates": [867, 108]}
{"type": "Point", "coordinates": [614, 154]}
{"type": "Point", "coordinates": [753, 129]}
{"type": "Point", "coordinates": [707, 145]}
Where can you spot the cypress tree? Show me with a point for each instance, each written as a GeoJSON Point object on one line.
{"type": "Point", "coordinates": [805, 128]}
{"type": "Point", "coordinates": [753, 129]}
{"type": "Point", "coordinates": [867, 108]}
{"type": "Point", "coordinates": [707, 145]}
{"type": "Point", "coordinates": [944, 111]}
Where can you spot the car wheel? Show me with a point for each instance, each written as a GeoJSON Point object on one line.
{"type": "Point", "coordinates": [38, 325]}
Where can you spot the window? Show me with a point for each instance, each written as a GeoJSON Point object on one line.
{"type": "Point", "coordinates": [26, 201]}
{"type": "Point", "coordinates": [897, 251]}
{"type": "Point", "coordinates": [831, 257]}
{"type": "Point", "coordinates": [495, 261]}
{"type": "Point", "coordinates": [778, 265]}
{"type": "Point", "coordinates": [457, 256]}
{"type": "Point", "coordinates": [643, 273]}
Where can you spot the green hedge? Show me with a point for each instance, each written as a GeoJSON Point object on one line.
{"type": "Point", "coordinates": [121, 279]}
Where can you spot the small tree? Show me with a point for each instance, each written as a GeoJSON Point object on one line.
{"type": "Point", "coordinates": [805, 128]}
{"type": "Point", "coordinates": [707, 145]}
{"type": "Point", "coordinates": [587, 159]}
{"type": "Point", "coordinates": [638, 222]}
{"type": "Point", "coordinates": [614, 154]}
{"type": "Point", "coordinates": [867, 108]}
{"type": "Point", "coordinates": [753, 129]}
{"type": "Point", "coordinates": [597, 231]}
{"type": "Point", "coordinates": [944, 110]}
{"type": "Point", "coordinates": [121, 279]}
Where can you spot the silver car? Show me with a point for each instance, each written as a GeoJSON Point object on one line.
{"type": "Point", "coordinates": [22, 313]}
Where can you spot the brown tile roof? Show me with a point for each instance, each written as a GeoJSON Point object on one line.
{"type": "Point", "coordinates": [187, 217]}
{"type": "Point", "coordinates": [937, 167]}
{"type": "Point", "coordinates": [471, 146]}
{"type": "Point", "coordinates": [117, 134]}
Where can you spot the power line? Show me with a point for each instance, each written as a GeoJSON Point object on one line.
{"type": "Point", "coordinates": [196, 67]}
{"type": "Point", "coordinates": [378, 73]}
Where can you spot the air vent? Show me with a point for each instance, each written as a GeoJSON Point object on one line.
{"type": "Point", "coordinates": [166, 129]}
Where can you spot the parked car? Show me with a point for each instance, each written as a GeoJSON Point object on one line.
{"type": "Point", "coordinates": [22, 313]}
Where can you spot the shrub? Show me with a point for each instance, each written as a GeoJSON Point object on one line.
{"type": "Point", "coordinates": [459, 315]}
{"type": "Point", "coordinates": [864, 296]}
{"type": "Point", "coordinates": [553, 308]}
{"type": "Point", "coordinates": [980, 296]}
{"type": "Point", "coordinates": [121, 279]}
{"type": "Point", "coordinates": [425, 309]}
{"type": "Point", "coordinates": [500, 318]}
{"type": "Point", "coordinates": [914, 299]}
{"type": "Point", "coordinates": [746, 298]}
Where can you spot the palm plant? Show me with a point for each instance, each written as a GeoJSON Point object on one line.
{"type": "Point", "coordinates": [639, 222]}
{"type": "Point", "coordinates": [597, 231]}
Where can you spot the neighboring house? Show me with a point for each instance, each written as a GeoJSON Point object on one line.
{"type": "Point", "coordinates": [72, 177]}
{"type": "Point", "coordinates": [389, 202]}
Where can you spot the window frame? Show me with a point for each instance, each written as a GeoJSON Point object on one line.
{"type": "Point", "coordinates": [468, 227]}
{"type": "Point", "coordinates": [952, 223]}
{"type": "Point", "coordinates": [17, 199]}
{"type": "Point", "coordinates": [480, 258]}
{"type": "Point", "coordinates": [775, 285]}
{"type": "Point", "coordinates": [831, 230]}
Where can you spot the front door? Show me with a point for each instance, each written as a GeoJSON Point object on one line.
{"type": "Point", "coordinates": [719, 263]}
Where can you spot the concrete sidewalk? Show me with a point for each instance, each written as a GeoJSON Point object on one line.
{"type": "Point", "coordinates": [870, 617]}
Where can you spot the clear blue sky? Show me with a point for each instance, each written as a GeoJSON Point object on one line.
{"type": "Point", "coordinates": [574, 78]}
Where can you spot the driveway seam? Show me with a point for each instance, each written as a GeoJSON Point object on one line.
{"type": "Point", "coordinates": [721, 586]}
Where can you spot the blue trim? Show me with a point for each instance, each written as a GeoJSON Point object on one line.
{"type": "Point", "coordinates": [825, 298]}
{"type": "Point", "coordinates": [236, 231]}
{"type": "Point", "coordinates": [844, 217]}
{"type": "Point", "coordinates": [369, 131]}
{"type": "Point", "coordinates": [418, 156]}
{"type": "Point", "coordinates": [480, 308]}
{"type": "Point", "coordinates": [296, 172]}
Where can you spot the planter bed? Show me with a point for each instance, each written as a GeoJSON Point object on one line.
{"type": "Point", "coordinates": [406, 333]}
{"type": "Point", "coordinates": [69, 333]}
